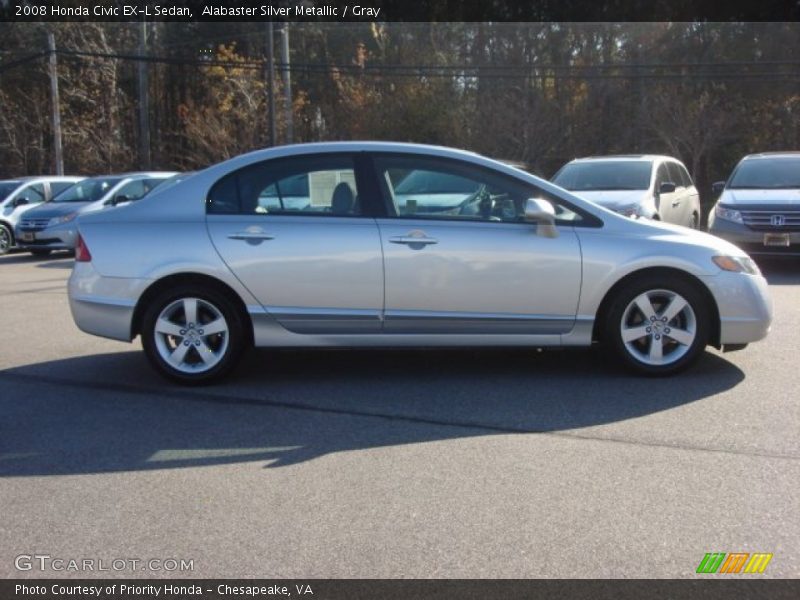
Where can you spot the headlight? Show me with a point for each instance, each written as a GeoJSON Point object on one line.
{"type": "Point", "coordinates": [60, 220]}
{"type": "Point", "coordinates": [737, 264]}
{"type": "Point", "coordinates": [728, 214]}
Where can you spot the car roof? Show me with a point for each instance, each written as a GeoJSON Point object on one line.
{"type": "Point", "coordinates": [767, 155]}
{"type": "Point", "coordinates": [348, 146]}
{"type": "Point", "coordinates": [29, 178]}
{"type": "Point", "coordinates": [137, 175]}
{"type": "Point", "coordinates": [626, 157]}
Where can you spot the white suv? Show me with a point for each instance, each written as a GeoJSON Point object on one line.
{"type": "Point", "coordinates": [20, 195]}
{"type": "Point", "coordinates": [643, 185]}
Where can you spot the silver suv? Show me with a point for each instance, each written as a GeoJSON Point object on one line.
{"type": "Point", "coordinates": [759, 206]}
{"type": "Point", "coordinates": [644, 185]}
{"type": "Point", "coordinates": [18, 196]}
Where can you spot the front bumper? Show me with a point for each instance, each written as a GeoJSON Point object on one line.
{"type": "Point", "coordinates": [745, 306]}
{"type": "Point", "coordinates": [751, 240]}
{"type": "Point", "coordinates": [103, 306]}
{"type": "Point", "coordinates": [58, 237]}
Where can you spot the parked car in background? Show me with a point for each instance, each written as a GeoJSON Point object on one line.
{"type": "Point", "coordinates": [52, 226]}
{"type": "Point", "coordinates": [759, 206]}
{"type": "Point", "coordinates": [652, 186]}
{"type": "Point", "coordinates": [205, 268]}
{"type": "Point", "coordinates": [18, 196]}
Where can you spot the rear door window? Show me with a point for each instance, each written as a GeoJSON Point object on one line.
{"type": "Point", "coordinates": [321, 185]}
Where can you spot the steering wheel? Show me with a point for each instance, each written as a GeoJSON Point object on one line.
{"type": "Point", "coordinates": [479, 203]}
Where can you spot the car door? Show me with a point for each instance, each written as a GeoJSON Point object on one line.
{"type": "Point", "coordinates": [681, 202]}
{"type": "Point", "coordinates": [692, 198]}
{"type": "Point", "coordinates": [460, 259]}
{"type": "Point", "coordinates": [298, 233]}
{"type": "Point", "coordinates": [668, 203]}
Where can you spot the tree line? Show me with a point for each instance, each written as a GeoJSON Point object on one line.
{"type": "Point", "coordinates": [537, 93]}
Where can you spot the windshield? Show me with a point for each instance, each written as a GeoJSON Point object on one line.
{"type": "Point", "coordinates": [88, 190]}
{"type": "Point", "coordinates": [769, 174]}
{"type": "Point", "coordinates": [605, 175]}
{"type": "Point", "coordinates": [6, 187]}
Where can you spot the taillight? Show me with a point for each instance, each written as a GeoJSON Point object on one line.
{"type": "Point", "coordinates": [82, 253]}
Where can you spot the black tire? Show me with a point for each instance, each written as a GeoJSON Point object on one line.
{"type": "Point", "coordinates": [631, 354]}
{"type": "Point", "coordinates": [6, 239]}
{"type": "Point", "coordinates": [41, 252]}
{"type": "Point", "coordinates": [236, 341]}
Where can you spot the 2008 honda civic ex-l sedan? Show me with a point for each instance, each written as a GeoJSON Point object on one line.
{"type": "Point", "coordinates": [386, 244]}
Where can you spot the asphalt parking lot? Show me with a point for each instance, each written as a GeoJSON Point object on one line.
{"type": "Point", "coordinates": [392, 463]}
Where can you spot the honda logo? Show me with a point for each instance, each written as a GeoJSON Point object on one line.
{"type": "Point", "coordinates": [777, 220]}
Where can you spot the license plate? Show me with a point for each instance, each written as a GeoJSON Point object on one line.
{"type": "Point", "coordinates": [776, 239]}
{"type": "Point", "coordinates": [27, 237]}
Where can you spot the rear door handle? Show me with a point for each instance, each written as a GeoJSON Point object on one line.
{"type": "Point", "coordinates": [251, 236]}
{"type": "Point", "coordinates": [676, 203]}
{"type": "Point", "coordinates": [410, 239]}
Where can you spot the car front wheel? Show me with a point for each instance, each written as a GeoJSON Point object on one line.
{"type": "Point", "coordinates": [658, 326]}
{"type": "Point", "coordinates": [6, 239]}
{"type": "Point", "coordinates": [193, 335]}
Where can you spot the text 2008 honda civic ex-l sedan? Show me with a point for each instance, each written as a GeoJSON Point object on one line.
{"type": "Point", "coordinates": [385, 244]}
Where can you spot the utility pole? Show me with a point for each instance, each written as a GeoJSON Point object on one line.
{"type": "Point", "coordinates": [287, 81]}
{"type": "Point", "coordinates": [144, 101]}
{"type": "Point", "coordinates": [58, 154]}
{"type": "Point", "coordinates": [271, 82]}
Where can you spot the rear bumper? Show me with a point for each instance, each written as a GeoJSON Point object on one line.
{"type": "Point", "coordinates": [103, 306]}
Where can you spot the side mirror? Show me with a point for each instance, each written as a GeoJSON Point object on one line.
{"type": "Point", "coordinates": [717, 187]}
{"type": "Point", "coordinates": [21, 201]}
{"type": "Point", "coordinates": [121, 199]}
{"type": "Point", "coordinates": [666, 187]}
{"type": "Point", "coordinates": [542, 213]}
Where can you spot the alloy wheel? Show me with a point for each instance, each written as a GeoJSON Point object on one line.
{"type": "Point", "coordinates": [191, 335]}
{"type": "Point", "coordinates": [658, 327]}
{"type": "Point", "coordinates": [5, 239]}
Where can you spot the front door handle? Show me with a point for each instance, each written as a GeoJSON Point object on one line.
{"type": "Point", "coordinates": [251, 236]}
{"type": "Point", "coordinates": [410, 239]}
{"type": "Point", "coordinates": [676, 203]}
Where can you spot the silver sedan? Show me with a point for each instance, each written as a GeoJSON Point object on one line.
{"type": "Point", "coordinates": [385, 244]}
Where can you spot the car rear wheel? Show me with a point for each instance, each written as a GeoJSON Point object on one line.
{"type": "Point", "coordinates": [657, 325]}
{"type": "Point", "coordinates": [6, 239]}
{"type": "Point", "coordinates": [193, 335]}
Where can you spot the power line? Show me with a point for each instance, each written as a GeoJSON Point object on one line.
{"type": "Point", "coordinates": [22, 61]}
{"type": "Point", "coordinates": [705, 70]}
{"type": "Point", "coordinates": [258, 63]}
